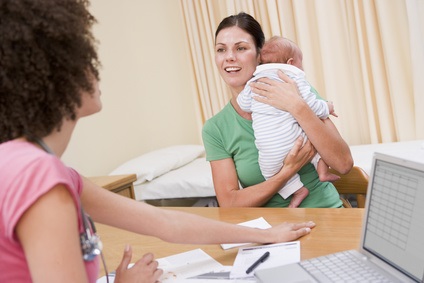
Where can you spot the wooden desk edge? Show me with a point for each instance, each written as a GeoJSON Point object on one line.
{"type": "Point", "coordinates": [111, 181]}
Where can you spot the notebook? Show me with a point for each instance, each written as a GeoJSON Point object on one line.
{"type": "Point", "coordinates": [392, 237]}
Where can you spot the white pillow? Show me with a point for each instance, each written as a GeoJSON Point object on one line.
{"type": "Point", "coordinates": [192, 180]}
{"type": "Point", "coordinates": [158, 162]}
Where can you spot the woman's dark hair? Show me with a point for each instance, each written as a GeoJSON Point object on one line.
{"type": "Point", "coordinates": [48, 57]}
{"type": "Point", "coordinates": [247, 23]}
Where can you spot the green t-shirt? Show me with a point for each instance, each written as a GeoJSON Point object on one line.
{"type": "Point", "coordinates": [228, 135]}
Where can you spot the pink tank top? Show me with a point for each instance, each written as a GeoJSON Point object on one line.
{"type": "Point", "coordinates": [26, 173]}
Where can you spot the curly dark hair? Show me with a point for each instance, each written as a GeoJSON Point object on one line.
{"type": "Point", "coordinates": [48, 56]}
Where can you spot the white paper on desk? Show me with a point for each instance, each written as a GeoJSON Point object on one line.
{"type": "Point", "coordinates": [260, 223]}
{"type": "Point", "coordinates": [187, 264]}
{"type": "Point", "coordinates": [178, 267]}
{"type": "Point", "coordinates": [280, 254]}
{"type": "Point", "coordinates": [217, 276]}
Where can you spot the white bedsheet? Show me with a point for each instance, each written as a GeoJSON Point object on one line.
{"type": "Point", "coordinates": [362, 154]}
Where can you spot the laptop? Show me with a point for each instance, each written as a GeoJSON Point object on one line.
{"type": "Point", "coordinates": [392, 237]}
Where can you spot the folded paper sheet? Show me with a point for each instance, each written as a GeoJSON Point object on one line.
{"type": "Point", "coordinates": [280, 254]}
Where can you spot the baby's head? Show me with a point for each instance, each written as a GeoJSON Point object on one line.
{"type": "Point", "coordinates": [279, 49]}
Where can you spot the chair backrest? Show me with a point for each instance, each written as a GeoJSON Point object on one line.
{"type": "Point", "coordinates": [353, 183]}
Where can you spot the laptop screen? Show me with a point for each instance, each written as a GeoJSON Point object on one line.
{"type": "Point", "coordinates": [394, 229]}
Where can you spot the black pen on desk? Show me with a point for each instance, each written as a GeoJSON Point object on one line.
{"type": "Point", "coordinates": [256, 263]}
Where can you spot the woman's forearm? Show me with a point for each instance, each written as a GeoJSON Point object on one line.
{"type": "Point", "coordinates": [256, 195]}
{"type": "Point", "coordinates": [227, 189]}
{"type": "Point", "coordinates": [176, 226]}
{"type": "Point", "coordinates": [193, 229]}
{"type": "Point", "coordinates": [325, 138]}
{"type": "Point", "coordinates": [226, 181]}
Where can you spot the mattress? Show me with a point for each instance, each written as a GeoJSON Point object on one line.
{"type": "Point", "coordinates": [362, 154]}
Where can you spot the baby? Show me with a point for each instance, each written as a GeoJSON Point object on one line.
{"type": "Point", "coordinates": [275, 130]}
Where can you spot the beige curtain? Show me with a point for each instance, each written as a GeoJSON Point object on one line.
{"type": "Point", "coordinates": [366, 56]}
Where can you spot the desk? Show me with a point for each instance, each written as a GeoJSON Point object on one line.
{"type": "Point", "coordinates": [120, 184]}
{"type": "Point", "coordinates": [336, 230]}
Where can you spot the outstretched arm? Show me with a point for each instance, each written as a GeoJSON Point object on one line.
{"type": "Point", "coordinates": [179, 227]}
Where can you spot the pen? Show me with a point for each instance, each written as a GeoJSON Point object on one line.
{"type": "Point", "coordinates": [256, 263]}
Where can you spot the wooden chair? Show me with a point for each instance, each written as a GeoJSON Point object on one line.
{"type": "Point", "coordinates": [353, 183]}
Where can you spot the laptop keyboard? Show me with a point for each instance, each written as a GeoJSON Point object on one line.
{"type": "Point", "coordinates": [341, 267]}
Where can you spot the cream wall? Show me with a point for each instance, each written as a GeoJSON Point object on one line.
{"type": "Point", "coordinates": [148, 99]}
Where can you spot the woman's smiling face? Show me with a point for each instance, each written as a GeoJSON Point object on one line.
{"type": "Point", "coordinates": [236, 57]}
